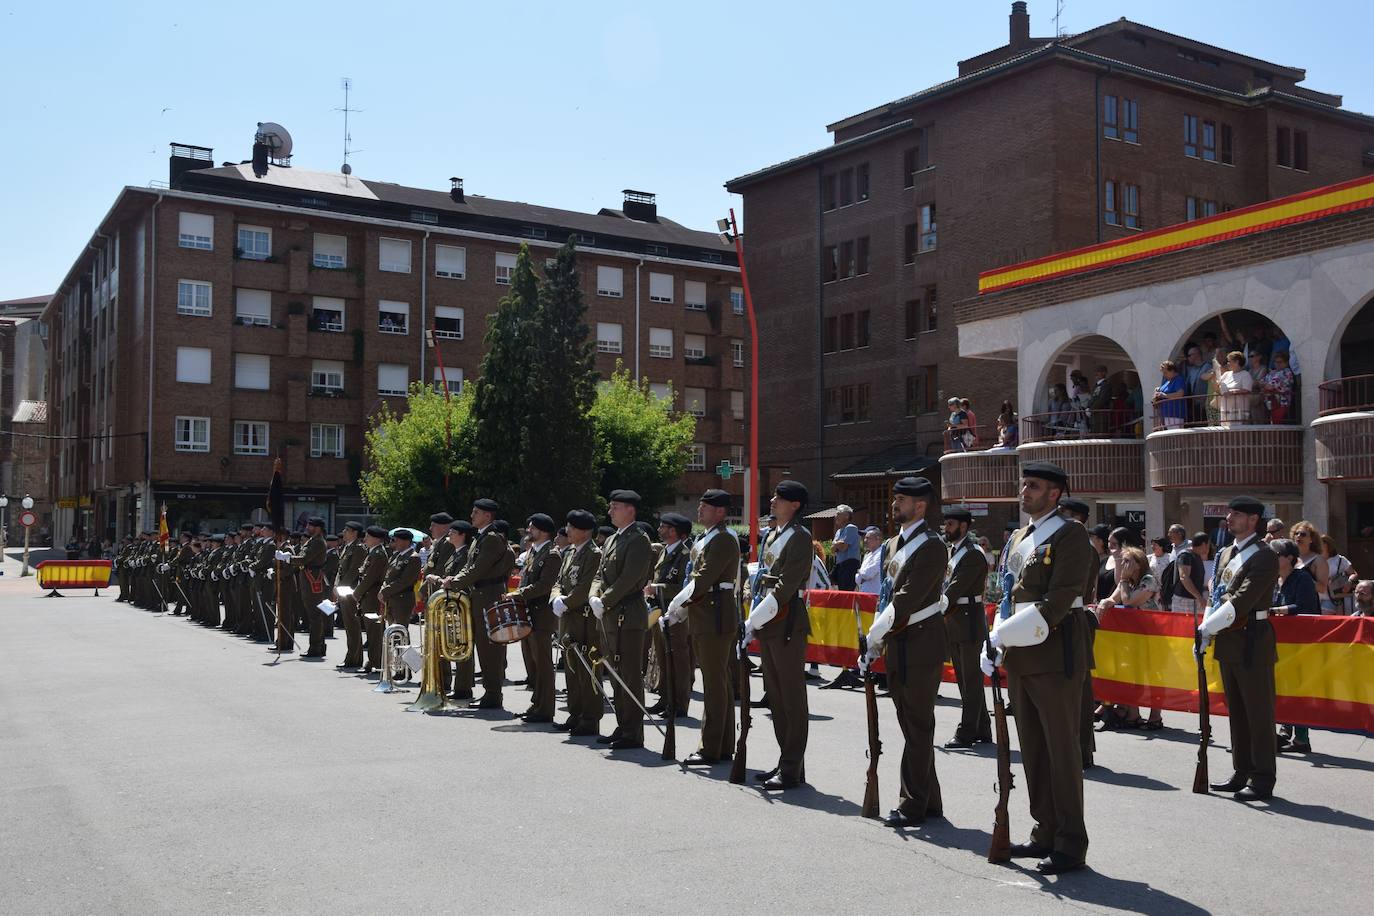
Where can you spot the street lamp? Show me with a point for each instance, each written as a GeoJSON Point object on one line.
{"type": "Point", "coordinates": [729, 232]}
{"type": "Point", "coordinates": [27, 503]}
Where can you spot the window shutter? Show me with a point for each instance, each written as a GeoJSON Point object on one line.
{"type": "Point", "coordinates": [392, 378]}
{"type": "Point", "coordinates": [395, 256]}
{"type": "Point", "coordinates": [252, 370]}
{"type": "Point", "coordinates": [450, 262]}
{"type": "Point", "coordinates": [610, 281]}
{"type": "Point", "coordinates": [193, 365]}
{"type": "Point", "coordinates": [661, 287]}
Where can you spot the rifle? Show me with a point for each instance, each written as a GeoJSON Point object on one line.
{"type": "Point", "coordinates": [741, 744]}
{"type": "Point", "coordinates": [999, 850]}
{"type": "Point", "coordinates": [1204, 714]}
{"type": "Point", "coordinates": [670, 726]}
{"type": "Point", "coordinates": [875, 744]}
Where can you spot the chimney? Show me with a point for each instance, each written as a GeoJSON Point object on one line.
{"type": "Point", "coordinates": [187, 158]}
{"type": "Point", "coordinates": [456, 190]}
{"type": "Point", "coordinates": [640, 205]}
{"type": "Point", "coordinates": [1020, 25]}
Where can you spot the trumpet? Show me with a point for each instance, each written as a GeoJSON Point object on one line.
{"type": "Point", "coordinates": [447, 635]}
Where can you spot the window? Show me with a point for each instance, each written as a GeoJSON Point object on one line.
{"type": "Point", "coordinates": [449, 376]}
{"type": "Point", "coordinates": [661, 390]}
{"type": "Point", "coordinates": [861, 255]}
{"type": "Point", "coordinates": [326, 376]}
{"type": "Point", "coordinates": [913, 395]}
{"type": "Point", "coordinates": [393, 317]}
{"type": "Point", "coordinates": [250, 437]}
{"type": "Point", "coordinates": [424, 216]}
{"type": "Point", "coordinates": [737, 456]}
{"type": "Point", "coordinates": [326, 440]}
{"type": "Point", "coordinates": [505, 265]}
{"type": "Point", "coordinates": [928, 227]}
{"type": "Point", "coordinates": [1209, 141]}
{"type": "Point", "coordinates": [694, 295]}
{"type": "Point", "coordinates": [830, 264]}
{"type": "Point", "coordinates": [1190, 135]}
{"type": "Point", "coordinates": [930, 388]}
{"type": "Point", "coordinates": [737, 353]}
{"type": "Point", "coordinates": [737, 404]}
{"type": "Point", "coordinates": [1111, 129]}
{"type": "Point", "coordinates": [861, 181]}
{"type": "Point", "coordinates": [737, 300]}
{"type": "Point", "coordinates": [331, 251]}
{"type": "Point", "coordinates": [846, 187]}
{"type": "Point", "coordinates": [915, 159]}
{"type": "Point", "coordinates": [193, 365]}
{"type": "Point", "coordinates": [1110, 208]}
{"type": "Point", "coordinates": [326, 314]}
{"type": "Point", "coordinates": [1228, 156]}
{"type": "Point", "coordinates": [1199, 208]}
{"type": "Point", "coordinates": [253, 306]}
{"type": "Point", "coordinates": [1300, 150]}
{"type": "Point", "coordinates": [610, 281]}
{"type": "Point", "coordinates": [193, 434]}
{"type": "Point", "coordinates": [196, 230]}
{"type": "Point", "coordinates": [846, 260]}
{"type": "Point", "coordinates": [694, 400]}
{"type": "Point", "coordinates": [659, 250]}
{"type": "Point", "coordinates": [847, 331]}
{"type": "Point", "coordinates": [193, 298]}
{"type": "Point", "coordinates": [252, 370]}
{"type": "Point", "coordinates": [661, 343]}
{"type": "Point", "coordinates": [1130, 197]}
{"type": "Point", "coordinates": [450, 262]}
{"type": "Point", "coordinates": [827, 192]}
{"type": "Point", "coordinates": [1284, 145]}
{"type": "Point", "coordinates": [832, 333]}
{"type": "Point", "coordinates": [696, 457]}
{"type": "Point", "coordinates": [255, 243]}
{"type": "Point", "coordinates": [1130, 121]}
{"type": "Point", "coordinates": [448, 322]}
{"type": "Point", "coordinates": [607, 337]}
{"type": "Point", "coordinates": [660, 287]}
{"type": "Point", "coordinates": [394, 256]}
{"type": "Point", "coordinates": [393, 379]}
{"type": "Point", "coordinates": [861, 328]}
{"type": "Point", "coordinates": [694, 346]}
{"type": "Point", "coordinates": [909, 248]}
{"type": "Point", "coordinates": [847, 404]}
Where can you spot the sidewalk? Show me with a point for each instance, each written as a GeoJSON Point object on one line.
{"type": "Point", "coordinates": [11, 562]}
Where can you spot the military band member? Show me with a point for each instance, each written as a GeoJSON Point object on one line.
{"type": "Point", "coordinates": [307, 562]}
{"type": "Point", "coordinates": [1043, 646]}
{"type": "Point", "coordinates": [483, 577]}
{"type": "Point", "coordinates": [780, 621]}
{"type": "Point", "coordinates": [709, 606]}
{"type": "Point", "coordinates": [669, 577]}
{"type": "Point", "coordinates": [537, 580]}
{"type": "Point", "coordinates": [331, 573]}
{"type": "Point", "coordinates": [966, 627]}
{"type": "Point", "coordinates": [617, 600]}
{"type": "Point", "coordinates": [1238, 625]}
{"type": "Point", "coordinates": [367, 593]}
{"type": "Point", "coordinates": [178, 559]}
{"type": "Point", "coordinates": [459, 537]}
{"type": "Point", "coordinates": [350, 567]}
{"type": "Point", "coordinates": [1079, 511]}
{"type": "Point", "coordinates": [440, 523]}
{"type": "Point", "coordinates": [910, 633]}
{"type": "Point", "coordinates": [577, 568]}
{"type": "Point", "coordinates": [265, 577]}
{"type": "Point", "coordinates": [402, 572]}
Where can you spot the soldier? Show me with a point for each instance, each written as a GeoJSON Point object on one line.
{"type": "Point", "coordinates": [670, 574]}
{"type": "Point", "coordinates": [1079, 511]}
{"type": "Point", "coordinates": [709, 605]}
{"type": "Point", "coordinates": [910, 632]}
{"type": "Point", "coordinates": [484, 579]}
{"type": "Point", "coordinates": [780, 620]}
{"type": "Point", "coordinates": [1042, 643]}
{"type": "Point", "coordinates": [177, 560]}
{"type": "Point", "coordinates": [350, 566]}
{"type": "Point", "coordinates": [537, 580]}
{"type": "Point", "coordinates": [331, 573]}
{"type": "Point", "coordinates": [576, 625]}
{"type": "Point", "coordinates": [1238, 622]}
{"type": "Point", "coordinates": [966, 627]}
{"type": "Point", "coordinates": [459, 537]}
{"type": "Point", "coordinates": [263, 568]}
{"type": "Point", "coordinates": [398, 585]}
{"type": "Point", "coordinates": [367, 593]}
{"type": "Point", "coordinates": [307, 563]}
{"type": "Point", "coordinates": [617, 600]}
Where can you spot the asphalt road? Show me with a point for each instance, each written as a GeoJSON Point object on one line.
{"type": "Point", "coordinates": [148, 765]}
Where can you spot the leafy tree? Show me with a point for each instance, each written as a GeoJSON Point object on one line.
{"type": "Point", "coordinates": [407, 458]}
{"type": "Point", "coordinates": [641, 445]}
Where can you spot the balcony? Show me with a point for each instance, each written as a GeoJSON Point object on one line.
{"type": "Point", "coordinates": [1343, 434]}
{"type": "Point", "coordinates": [972, 470]}
{"type": "Point", "coordinates": [1201, 442]}
{"type": "Point", "coordinates": [1102, 454]}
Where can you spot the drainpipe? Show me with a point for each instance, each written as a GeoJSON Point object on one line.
{"type": "Point", "coordinates": [637, 270]}
{"type": "Point", "coordinates": [145, 522]}
{"type": "Point", "coordinates": [1097, 151]}
{"type": "Point", "coordinates": [424, 304]}
{"type": "Point", "coordinates": [819, 394]}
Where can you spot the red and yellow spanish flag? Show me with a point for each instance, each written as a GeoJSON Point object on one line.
{"type": "Point", "coordinates": [162, 534]}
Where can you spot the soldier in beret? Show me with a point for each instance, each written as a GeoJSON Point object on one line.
{"type": "Point", "coordinates": [966, 627]}
{"type": "Point", "coordinates": [352, 553]}
{"type": "Point", "coordinates": [367, 593]}
{"type": "Point", "coordinates": [578, 625]}
{"type": "Point", "coordinates": [537, 579]}
{"type": "Point", "coordinates": [484, 579]}
{"type": "Point", "coordinates": [617, 600]}
{"type": "Point", "coordinates": [668, 578]}
{"type": "Point", "coordinates": [308, 564]}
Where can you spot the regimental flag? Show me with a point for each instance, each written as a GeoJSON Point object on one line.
{"type": "Point", "coordinates": [162, 535]}
{"type": "Point", "coordinates": [276, 500]}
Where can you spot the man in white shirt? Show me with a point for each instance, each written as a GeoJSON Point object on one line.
{"type": "Point", "coordinates": [869, 578]}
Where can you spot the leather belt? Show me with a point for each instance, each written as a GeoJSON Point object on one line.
{"type": "Point", "coordinates": [1023, 605]}
{"type": "Point", "coordinates": [722, 587]}
{"type": "Point", "coordinates": [1259, 615]}
{"type": "Point", "coordinates": [925, 613]}
{"type": "Point", "coordinates": [976, 599]}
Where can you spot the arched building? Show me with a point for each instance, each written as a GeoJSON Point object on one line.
{"type": "Point", "coordinates": [1290, 277]}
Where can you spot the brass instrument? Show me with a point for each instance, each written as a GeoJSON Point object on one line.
{"type": "Point", "coordinates": [395, 641]}
{"type": "Point", "coordinates": [447, 635]}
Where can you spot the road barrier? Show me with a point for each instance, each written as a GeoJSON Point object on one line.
{"type": "Point", "coordinates": [55, 574]}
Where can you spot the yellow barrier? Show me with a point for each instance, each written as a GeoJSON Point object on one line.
{"type": "Point", "coordinates": [55, 574]}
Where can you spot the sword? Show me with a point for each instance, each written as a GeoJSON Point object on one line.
{"type": "Point", "coordinates": [598, 660]}
{"type": "Point", "coordinates": [184, 597]}
{"type": "Point", "coordinates": [568, 644]}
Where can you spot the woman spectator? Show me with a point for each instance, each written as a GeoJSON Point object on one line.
{"type": "Point", "coordinates": [1278, 389]}
{"type": "Point", "coordinates": [1310, 558]}
{"type": "Point", "coordinates": [971, 419]}
{"type": "Point", "coordinates": [1080, 396]}
{"type": "Point", "coordinates": [1340, 584]}
{"type": "Point", "coordinates": [1060, 410]}
{"type": "Point", "coordinates": [1296, 594]}
{"type": "Point", "coordinates": [1168, 397]}
{"type": "Point", "coordinates": [1160, 556]}
{"type": "Point", "coordinates": [957, 425]}
{"type": "Point", "coordinates": [1233, 384]}
{"type": "Point", "coordinates": [1135, 588]}
{"type": "Point", "coordinates": [1006, 426]}
{"type": "Point", "coordinates": [1259, 371]}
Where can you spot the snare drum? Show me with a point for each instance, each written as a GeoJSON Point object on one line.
{"type": "Point", "coordinates": [508, 621]}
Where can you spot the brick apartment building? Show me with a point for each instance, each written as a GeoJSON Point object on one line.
{"type": "Point", "coordinates": [23, 370]}
{"type": "Point", "coordinates": [1037, 146]}
{"type": "Point", "coordinates": [238, 317]}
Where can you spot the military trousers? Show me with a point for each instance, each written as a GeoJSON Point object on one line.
{"type": "Point", "coordinates": [585, 704]}
{"type": "Point", "coordinates": [681, 683]}
{"type": "Point", "coordinates": [974, 722]}
{"type": "Point", "coordinates": [353, 631]}
{"type": "Point", "coordinates": [713, 653]}
{"type": "Point", "coordinates": [622, 648]}
{"type": "Point", "coordinates": [913, 679]}
{"type": "Point", "coordinates": [540, 672]}
{"type": "Point", "coordinates": [1250, 706]}
{"type": "Point", "coordinates": [784, 680]}
{"type": "Point", "coordinates": [1048, 717]}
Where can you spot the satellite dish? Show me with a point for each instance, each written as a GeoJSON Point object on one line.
{"type": "Point", "coordinates": [275, 138]}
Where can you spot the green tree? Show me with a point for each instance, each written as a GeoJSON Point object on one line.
{"type": "Point", "coordinates": [641, 444]}
{"type": "Point", "coordinates": [558, 451]}
{"type": "Point", "coordinates": [407, 458]}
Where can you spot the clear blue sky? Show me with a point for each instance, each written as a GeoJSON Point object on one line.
{"type": "Point", "coordinates": [560, 104]}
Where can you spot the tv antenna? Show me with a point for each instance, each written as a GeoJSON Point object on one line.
{"type": "Point", "coordinates": [347, 85]}
{"type": "Point", "coordinates": [1058, 12]}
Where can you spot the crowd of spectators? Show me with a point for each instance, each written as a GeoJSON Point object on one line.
{"type": "Point", "coordinates": [1249, 376]}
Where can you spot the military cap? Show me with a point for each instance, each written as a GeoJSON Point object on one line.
{"type": "Point", "coordinates": [792, 491]}
{"type": "Point", "coordinates": [913, 486]}
{"type": "Point", "coordinates": [376, 531]}
{"type": "Point", "coordinates": [355, 525]}
{"type": "Point", "coordinates": [1046, 470]}
{"type": "Point", "coordinates": [1101, 532]}
{"type": "Point", "coordinates": [629, 497]}
{"type": "Point", "coordinates": [676, 520]}
{"type": "Point", "coordinates": [487, 505]}
{"type": "Point", "coordinates": [217, 538]}
{"type": "Point", "coordinates": [501, 527]}
{"type": "Point", "coordinates": [607, 530]}
{"type": "Point", "coordinates": [247, 526]}
{"type": "Point", "coordinates": [404, 534]}
{"type": "Point", "coordinates": [958, 514]}
{"type": "Point", "coordinates": [331, 537]}
{"type": "Point", "coordinates": [648, 529]}
{"type": "Point", "coordinates": [581, 519]}
{"type": "Point", "coordinates": [543, 522]}
{"type": "Point", "coordinates": [314, 521]}
{"type": "Point", "coordinates": [1076, 506]}
{"type": "Point", "coordinates": [463, 527]}
{"type": "Point", "coordinates": [718, 498]}
{"type": "Point", "coordinates": [1247, 504]}
{"type": "Point", "coordinates": [441, 518]}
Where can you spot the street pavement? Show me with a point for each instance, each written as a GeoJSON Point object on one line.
{"type": "Point", "coordinates": [148, 765]}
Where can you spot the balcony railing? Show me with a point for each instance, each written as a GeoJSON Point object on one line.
{"type": "Point", "coordinates": [1343, 435]}
{"type": "Point", "coordinates": [1096, 466]}
{"type": "Point", "coordinates": [1079, 424]}
{"type": "Point", "coordinates": [987, 475]}
{"type": "Point", "coordinates": [1342, 395]}
{"type": "Point", "coordinates": [1246, 408]}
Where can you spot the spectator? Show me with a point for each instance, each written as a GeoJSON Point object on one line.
{"type": "Point", "coordinates": [819, 577]}
{"type": "Point", "coordinates": [1259, 371]}
{"type": "Point", "coordinates": [1195, 375]}
{"type": "Point", "coordinates": [1274, 529]}
{"type": "Point", "coordinates": [1212, 356]}
{"type": "Point", "coordinates": [1233, 383]}
{"type": "Point", "coordinates": [1178, 536]}
{"type": "Point", "coordinates": [1098, 536]}
{"type": "Point", "coordinates": [1340, 581]}
{"type": "Point", "coordinates": [1297, 594]}
{"type": "Point", "coordinates": [972, 419]}
{"type": "Point", "coordinates": [1100, 402]}
{"type": "Point", "coordinates": [870, 575]}
{"type": "Point", "coordinates": [1160, 556]}
{"type": "Point", "coordinates": [1136, 588]}
{"type": "Point", "coordinates": [1278, 389]}
{"type": "Point", "coordinates": [846, 549]}
{"type": "Point", "coordinates": [957, 426]}
{"type": "Point", "coordinates": [1310, 558]}
{"type": "Point", "coordinates": [1060, 410]}
{"type": "Point", "coordinates": [1006, 426]}
{"type": "Point", "coordinates": [1168, 397]}
{"type": "Point", "coordinates": [1190, 577]}
{"type": "Point", "coordinates": [1363, 599]}
{"type": "Point", "coordinates": [1080, 397]}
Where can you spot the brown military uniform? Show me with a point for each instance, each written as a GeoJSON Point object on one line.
{"type": "Point", "coordinates": [483, 577]}
{"type": "Point", "coordinates": [782, 644]}
{"type": "Point", "coordinates": [537, 580]}
{"type": "Point", "coordinates": [670, 572]}
{"type": "Point", "coordinates": [366, 593]}
{"type": "Point", "coordinates": [966, 629]}
{"type": "Point", "coordinates": [578, 626]}
{"type": "Point", "coordinates": [308, 565]}
{"type": "Point", "coordinates": [457, 559]}
{"type": "Point", "coordinates": [351, 557]}
{"type": "Point", "coordinates": [398, 586]}
{"type": "Point", "coordinates": [626, 563]}
{"type": "Point", "coordinates": [713, 619]}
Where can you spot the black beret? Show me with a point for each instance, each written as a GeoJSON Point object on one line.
{"type": "Point", "coordinates": [957, 514]}
{"type": "Point", "coordinates": [1076, 506]}
{"type": "Point", "coordinates": [441, 518]}
{"type": "Point", "coordinates": [463, 527]}
{"type": "Point", "coordinates": [1101, 531]}
{"type": "Point", "coordinates": [1247, 504]}
{"type": "Point", "coordinates": [581, 519]}
{"type": "Point", "coordinates": [563, 532]}
{"type": "Point", "coordinates": [606, 530]}
{"type": "Point", "coordinates": [1045, 470]}
{"type": "Point", "coordinates": [629, 497]}
{"type": "Point", "coordinates": [376, 531]}
{"type": "Point", "coordinates": [331, 537]}
{"type": "Point", "coordinates": [678, 521]}
{"type": "Point", "coordinates": [404, 534]}
{"type": "Point", "coordinates": [718, 498]}
{"type": "Point", "coordinates": [315, 520]}
{"type": "Point", "coordinates": [792, 491]}
{"type": "Point", "coordinates": [501, 527]}
{"type": "Point", "coordinates": [913, 486]}
{"type": "Point", "coordinates": [247, 526]}
{"type": "Point", "coordinates": [355, 525]}
{"type": "Point", "coordinates": [542, 522]}
{"type": "Point", "coordinates": [487, 505]}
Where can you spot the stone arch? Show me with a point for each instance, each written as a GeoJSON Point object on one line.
{"type": "Point", "coordinates": [1352, 342]}
{"type": "Point", "coordinates": [1084, 353]}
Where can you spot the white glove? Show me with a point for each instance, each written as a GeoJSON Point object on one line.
{"type": "Point", "coordinates": [560, 607]}
{"type": "Point", "coordinates": [748, 638]}
{"type": "Point", "coordinates": [1217, 619]}
{"type": "Point", "coordinates": [283, 556]}
{"type": "Point", "coordinates": [252, 575]}
{"type": "Point", "coordinates": [163, 567]}
{"type": "Point", "coordinates": [989, 664]}
{"type": "Point", "coordinates": [882, 625]}
{"type": "Point", "coordinates": [597, 607]}
{"type": "Point", "coordinates": [764, 611]}
{"type": "Point", "coordinates": [679, 602]}
{"type": "Point", "coordinates": [996, 639]}
{"type": "Point", "coordinates": [270, 572]}
{"type": "Point", "coordinates": [327, 608]}
{"type": "Point", "coordinates": [343, 591]}
{"type": "Point", "coordinates": [1200, 648]}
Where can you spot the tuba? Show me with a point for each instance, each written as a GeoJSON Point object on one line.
{"type": "Point", "coordinates": [395, 641]}
{"type": "Point", "coordinates": [447, 635]}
